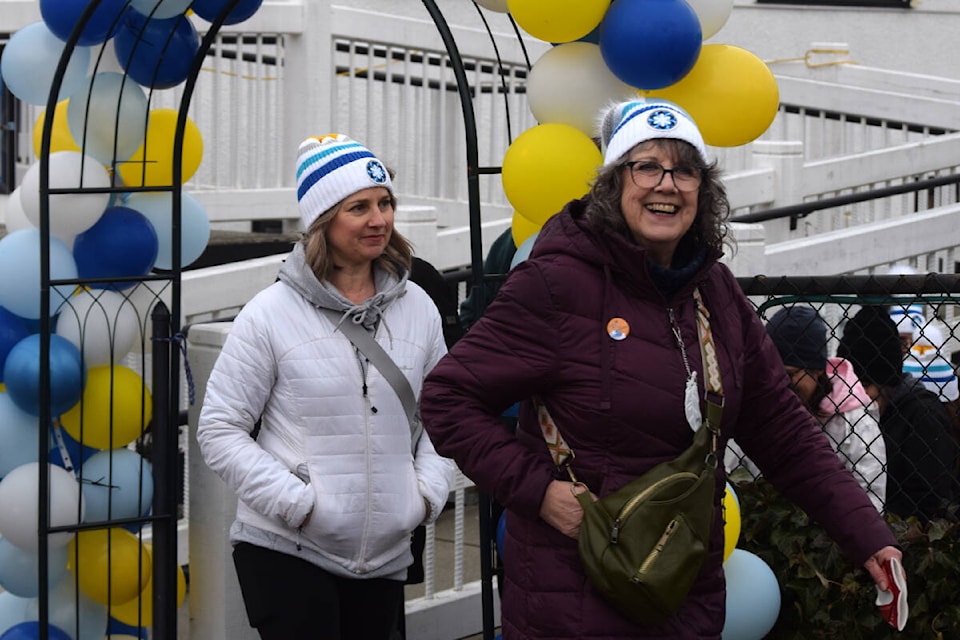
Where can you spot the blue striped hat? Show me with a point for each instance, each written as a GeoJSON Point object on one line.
{"type": "Point", "coordinates": [331, 168]}
{"type": "Point", "coordinates": [624, 125]}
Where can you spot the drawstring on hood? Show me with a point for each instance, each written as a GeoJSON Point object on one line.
{"type": "Point", "coordinates": [296, 273]}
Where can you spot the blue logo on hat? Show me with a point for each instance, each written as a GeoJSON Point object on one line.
{"type": "Point", "coordinates": [376, 171]}
{"type": "Point", "coordinates": [662, 120]}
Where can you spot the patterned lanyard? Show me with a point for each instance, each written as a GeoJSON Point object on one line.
{"type": "Point", "coordinates": [561, 452]}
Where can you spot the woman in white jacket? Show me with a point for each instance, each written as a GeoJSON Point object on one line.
{"type": "Point", "coordinates": [831, 391]}
{"type": "Point", "coordinates": [331, 486]}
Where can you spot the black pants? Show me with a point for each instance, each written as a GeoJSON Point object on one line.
{"type": "Point", "coordinates": [288, 598]}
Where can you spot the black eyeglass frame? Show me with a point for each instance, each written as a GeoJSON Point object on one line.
{"type": "Point", "coordinates": [630, 164]}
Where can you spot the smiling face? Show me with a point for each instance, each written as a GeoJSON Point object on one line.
{"type": "Point", "coordinates": [361, 228]}
{"type": "Point", "coordinates": [657, 216]}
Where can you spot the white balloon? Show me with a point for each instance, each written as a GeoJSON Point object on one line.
{"type": "Point", "coordinates": [103, 324]}
{"type": "Point", "coordinates": [108, 117]}
{"type": "Point", "coordinates": [570, 84]}
{"type": "Point", "coordinates": [19, 494]}
{"type": "Point", "coordinates": [500, 6]}
{"type": "Point", "coordinates": [14, 217]}
{"type": "Point", "coordinates": [713, 14]}
{"type": "Point", "coordinates": [71, 213]}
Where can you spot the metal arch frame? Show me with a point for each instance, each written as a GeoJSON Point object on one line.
{"type": "Point", "coordinates": [166, 409]}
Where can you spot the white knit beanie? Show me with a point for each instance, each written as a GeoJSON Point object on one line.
{"type": "Point", "coordinates": [624, 125]}
{"type": "Point", "coordinates": [332, 167]}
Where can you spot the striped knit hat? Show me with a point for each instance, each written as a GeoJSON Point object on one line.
{"type": "Point", "coordinates": [332, 167]}
{"type": "Point", "coordinates": [624, 125]}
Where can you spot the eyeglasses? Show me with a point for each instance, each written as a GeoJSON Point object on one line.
{"type": "Point", "coordinates": [647, 175]}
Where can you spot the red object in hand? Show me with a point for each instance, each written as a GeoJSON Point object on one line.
{"type": "Point", "coordinates": [893, 602]}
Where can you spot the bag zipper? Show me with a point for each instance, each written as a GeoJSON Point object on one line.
{"type": "Point", "coordinates": [631, 504]}
{"type": "Point", "coordinates": [661, 543]}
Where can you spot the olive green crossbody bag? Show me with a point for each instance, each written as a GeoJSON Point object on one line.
{"type": "Point", "coordinates": [643, 545]}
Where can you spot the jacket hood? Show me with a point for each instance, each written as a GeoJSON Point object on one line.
{"type": "Point", "coordinates": [296, 274]}
{"type": "Point", "coordinates": [626, 262]}
{"type": "Point", "coordinates": [847, 393]}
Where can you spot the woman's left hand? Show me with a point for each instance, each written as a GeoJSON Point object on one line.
{"type": "Point", "coordinates": [875, 563]}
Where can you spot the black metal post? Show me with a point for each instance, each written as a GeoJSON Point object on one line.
{"type": "Point", "coordinates": [165, 468]}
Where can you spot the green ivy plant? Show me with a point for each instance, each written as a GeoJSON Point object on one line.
{"type": "Point", "coordinates": [824, 596]}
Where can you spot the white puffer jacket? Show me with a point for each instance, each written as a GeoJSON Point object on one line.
{"type": "Point", "coordinates": [334, 443]}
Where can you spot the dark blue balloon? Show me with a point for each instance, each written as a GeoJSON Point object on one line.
{"type": "Point", "coordinates": [156, 53]}
{"type": "Point", "coordinates": [210, 9]}
{"type": "Point", "coordinates": [115, 627]}
{"type": "Point", "coordinates": [76, 452]}
{"type": "Point", "coordinates": [13, 329]}
{"type": "Point", "coordinates": [31, 631]}
{"type": "Point", "coordinates": [21, 374]}
{"type": "Point", "coordinates": [501, 532]}
{"type": "Point", "coordinates": [123, 242]}
{"type": "Point", "coordinates": [61, 16]}
{"type": "Point", "coordinates": [650, 44]}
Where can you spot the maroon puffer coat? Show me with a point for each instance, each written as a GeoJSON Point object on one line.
{"type": "Point", "coordinates": [619, 404]}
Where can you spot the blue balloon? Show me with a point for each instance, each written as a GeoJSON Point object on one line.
{"type": "Point", "coordinates": [65, 452]}
{"type": "Point", "coordinates": [22, 374]}
{"type": "Point", "coordinates": [61, 16]}
{"type": "Point", "coordinates": [116, 484]}
{"type": "Point", "coordinates": [156, 53]}
{"type": "Point", "coordinates": [117, 628]}
{"type": "Point", "coordinates": [122, 242]}
{"type": "Point", "coordinates": [753, 597]}
{"type": "Point", "coordinates": [20, 255]}
{"type": "Point", "coordinates": [194, 225]}
{"type": "Point", "coordinates": [13, 329]}
{"type": "Point", "coordinates": [30, 61]}
{"type": "Point", "coordinates": [523, 251]}
{"type": "Point", "coordinates": [210, 9]}
{"type": "Point", "coordinates": [31, 631]}
{"type": "Point", "coordinates": [650, 44]}
{"type": "Point", "coordinates": [19, 436]}
{"type": "Point", "coordinates": [19, 568]}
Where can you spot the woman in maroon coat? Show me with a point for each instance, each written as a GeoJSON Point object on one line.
{"type": "Point", "coordinates": [632, 251]}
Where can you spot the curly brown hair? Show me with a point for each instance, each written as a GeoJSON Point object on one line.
{"type": "Point", "coordinates": [709, 228]}
{"type": "Point", "coordinates": [397, 257]}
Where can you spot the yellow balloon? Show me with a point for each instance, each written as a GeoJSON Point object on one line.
{"type": "Point", "coordinates": [731, 522]}
{"type": "Point", "coordinates": [111, 565]}
{"type": "Point", "coordinates": [139, 611]}
{"type": "Point", "coordinates": [546, 167]}
{"type": "Point", "coordinates": [521, 229]}
{"type": "Point", "coordinates": [152, 164]}
{"type": "Point", "coordinates": [730, 93]}
{"type": "Point", "coordinates": [113, 411]}
{"type": "Point", "coordinates": [60, 137]}
{"type": "Point", "coordinates": [558, 20]}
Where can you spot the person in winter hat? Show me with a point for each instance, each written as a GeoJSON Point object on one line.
{"type": "Point", "coordinates": [831, 391]}
{"type": "Point", "coordinates": [921, 451]}
{"type": "Point", "coordinates": [602, 324]}
{"type": "Point", "coordinates": [336, 477]}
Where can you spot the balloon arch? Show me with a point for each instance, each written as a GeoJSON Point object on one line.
{"type": "Point", "coordinates": [98, 233]}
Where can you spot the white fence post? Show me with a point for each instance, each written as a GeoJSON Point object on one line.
{"type": "Point", "coordinates": [216, 607]}
{"type": "Point", "coordinates": [785, 157]}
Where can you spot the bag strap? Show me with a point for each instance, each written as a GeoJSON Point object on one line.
{"type": "Point", "coordinates": [374, 353]}
{"type": "Point", "coordinates": [561, 452]}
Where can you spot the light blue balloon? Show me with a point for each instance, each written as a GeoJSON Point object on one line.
{"type": "Point", "coordinates": [19, 436]}
{"type": "Point", "coordinates": [13, 610]}
{"type": "Point", "coordinates": [194, 224]}
{"type": "Point", "coordinates": [20, 255]}
{"type": "Point", "coordinates": [30, 61]}
{"type": "Point", "coordinates": [108, 112]}
{"type": "Point", "coordinates": [116, 484]}
{"type": "Point", "coordinates": [72, 611]}
{"type": "Point", "coordinates": [753, 597]}
{"type": "Point", "coordinates": [523, 251]}
{"type": "Point", "coordinates": [19, 569]}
